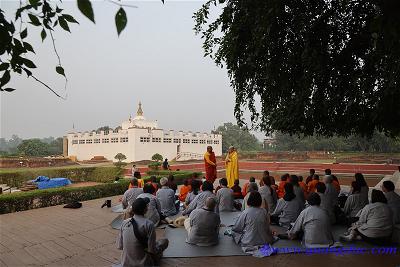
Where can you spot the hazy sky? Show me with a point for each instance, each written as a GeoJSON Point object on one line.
{"type": "Point", "coordinates": [157, 60]}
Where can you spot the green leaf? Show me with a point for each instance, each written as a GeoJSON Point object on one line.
{"type": "Point", "coordinates": [28, 47]}
{"type": "Point", "coordinates": [8, 89]}
{"type": "Point", "coordinates": [120, 20]}
{"type": "Point", "coordinates": [63, 24]}
{"type": "Point", "coordinates": [69, 18]}
{"type": "Point", "coordinates": [6, 78]}
{"type": "Point", "coordinates": [28, 63]}
{"type": "Point", "coordinates": [86, 8]}
{"type": "Point", "coordinates": [24, 33]}
{"type": "Point", "coordinates": [60, 70]}
{"type": "Point", "coordinates": [34, 20]}
{"type": "Point", "coordinates": [58, 10]}
{"type": "Point", "coordinates": [4, 66]}
{"type": "Point", "coordinates": [43, 34]}
{"type": "Point", "coordinates": [28, 72]}
{"type": "Point", "coordinates": [33, 2]}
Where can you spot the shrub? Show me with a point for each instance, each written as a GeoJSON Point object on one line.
{"type": "Point", "coordinates": [154, 165]}
{"type": "Point", "coordinates": [75, 174]}
{"type": "Point", "coordinates": [178, 175]}
{"type": "Point", "coordinates": [157, 157]}
{"type": "Point", "coordinates": [56, 196]}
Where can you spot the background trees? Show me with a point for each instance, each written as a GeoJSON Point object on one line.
{"type": "Point", "coordinates": [324, 67]}
{"type": "Point", "coordinates": [242, 139]}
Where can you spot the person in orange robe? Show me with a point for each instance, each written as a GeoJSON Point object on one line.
{"type": "Point", "coordinates": [281, 186]}
{"type": "Point", "coordinates": [303, 186]}
{"type": "Point", "coordinates": [138, 176]}
{"type": "Point", "coordinates": [246, 185]}
{"type": "Point", "coordinates": [210, 163]}
{"type": "Point", "coordinates": [311, 185]}
{"type": "Point", "coordinates": [185, 189]}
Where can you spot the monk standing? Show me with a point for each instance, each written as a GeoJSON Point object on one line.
{"type": "Point", "coordinates": [210, 163]}
{"type": "Point", "coordinates": [232, 166]}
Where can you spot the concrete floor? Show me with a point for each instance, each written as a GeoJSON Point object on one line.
{"type": "Point", "coordinates": [55, 236]}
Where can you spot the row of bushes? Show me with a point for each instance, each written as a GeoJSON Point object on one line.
{"type": "Point", "coordinates": [76, 174]}
{"type": "Point", "coordinates": [179, 176]}
{"type": "Point", "coordinates": [57, 196]}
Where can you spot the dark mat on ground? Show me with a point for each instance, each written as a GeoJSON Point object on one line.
{"type": "Point", "coordinates": [117, 208]}
{"type": "Point", "coordinates": [117, 222]}
{"type": "Point", "coordinates": [178, 248]}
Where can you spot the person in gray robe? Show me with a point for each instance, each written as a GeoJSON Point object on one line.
{"type": "Point", "coordinates": [200, 200]}
{"type": "Point", "coordinates": [359, 178]}
{"type": "Point", "coordinates": [195, 185]}
{"type": "Point", "coordinates": [326, 203]}
{"type": "Point", "coordinates": [393, 200]}
{"type": "Point", "coordinates": [225, 196]}
{"type": "Point", "coordinates": [154, 207]}
{"type": "Point", "coordinates": [131, 194]}
{"type": "Point", "coordinates": [331, 191]}
{"type": "Point", "coordinates": [143, 250]}
{"type": "Point", "coordinates": [166, 197]}
{"type": "Point", "coordinates": [298, 191]}
{"type": "Point", "coordinates": [268, 194]}
{"type": "Point", "coordinates": [375, 224]}
{"type": "Point", "coordinates": [354, 203]}
{"type": "Point", "coordinates": [252, 187]}
{"type": "Point", "coordinates": [287, 208]}
{"type": "Point", "coordinates": [314, 225]}
{"type": "Point", "coordinates": [203, 225]}
{"type": "Point", "coordinates": [252, 227]}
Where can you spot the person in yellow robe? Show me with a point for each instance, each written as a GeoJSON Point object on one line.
{"type": "Point", "coordinates": [232, 166]}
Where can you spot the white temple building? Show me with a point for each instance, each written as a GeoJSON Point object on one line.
{"type": "Point", "coordinates": [139, 139]}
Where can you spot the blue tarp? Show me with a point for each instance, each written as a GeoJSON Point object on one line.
{"type": "Point", "coordinates": [44, 182]}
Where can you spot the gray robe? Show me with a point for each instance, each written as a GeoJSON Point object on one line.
{"type": "Point", "coordinates": [327, 206]}
{"type": "Point", "coordinates": [252, 228]}
{"type": "Point", "coordinates": [364, 193]}
{"type": "Point", "coordinates": [315, 224]}
{"type": "Point", "coordinates": [166, 196]}
{"type": "Point", "coordinates": [132, 251]}
{"type": "Point", "coordinates": [288, 211]}
{"type": "Point", "coordinates": [225, 199]}
{"type": "Point", "coordinates": [190, 197]}
{"type": "Point", "coordinates": [375, 220]}
{"type": "Point", "coordinates": [298, 191]}
{"type": "Point", "coordinates": [130, 195]}
{"type": "Point", "coordinates": [354, 204]}
{"type": "Point", "coordinates": [153, 208]}
{"type": "Point", "coordinates": [332, 194]}
{"type": "Point", "coordinates": [269, 198]}
{"type": "Point", "coordinates": [199, 202]}
{"type": "Point", "coordinates": [393, 201]}
{"type": "Point", "coordinates": [204, 227]}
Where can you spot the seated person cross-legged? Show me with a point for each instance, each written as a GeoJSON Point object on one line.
{"type": "Point", "coordinates": [375, 223]}
{"type": "Point", "coordinates": [252, 226]}
{"type": "Point", "coordinates": [203, 225]}
{"type": "Point", "coordinates": [137, 238]}
{"type": "Point", "coordinates": [287, 209]}
{"type": "Point", "coordinates": [313, 225]}
{"type": "Point", "coordinates": [225, 196]}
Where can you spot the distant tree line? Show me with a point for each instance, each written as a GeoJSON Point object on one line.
{"type": "Point", "coordinates": [35, 147]}
{"type": "Point", "coordinates": [378, 142]}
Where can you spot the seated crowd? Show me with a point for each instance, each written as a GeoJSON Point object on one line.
{"type": "Point", "coordinates": [306, 211]}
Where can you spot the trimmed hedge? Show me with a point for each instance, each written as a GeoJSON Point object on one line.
{"type": "Point", "coordinates": [178, 175]}
{"type": "Point", "coordinates": [15, 178]}
{"type": "Point", "coordinates": [57, 196]}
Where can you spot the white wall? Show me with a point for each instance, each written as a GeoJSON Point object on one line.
{"type": "Point", "coordinates": [134, 149]}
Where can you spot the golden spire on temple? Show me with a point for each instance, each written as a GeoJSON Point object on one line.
{"type": "Point", "coordinates": [139, 111]}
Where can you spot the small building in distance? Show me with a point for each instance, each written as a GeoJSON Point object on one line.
{"type": "Point", "coordinates": [139, 139]}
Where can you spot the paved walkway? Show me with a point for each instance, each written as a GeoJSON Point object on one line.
{"type": "Point", "coordinates": [55, 236]}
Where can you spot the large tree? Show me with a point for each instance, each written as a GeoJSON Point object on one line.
{"type": "Point", "coordinates": [317, 66]}
{"type": "Point", "coordinates": [241, 138]}
{"type": "Point", "coordinates": [46, 15]}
